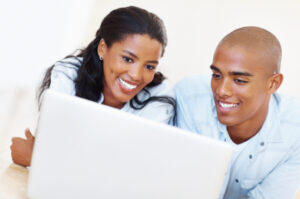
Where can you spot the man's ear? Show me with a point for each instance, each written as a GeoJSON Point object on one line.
{"type": "Point", "coordinates": [275, 82]}
{"type": "Point", "coordinates": [102, 48]}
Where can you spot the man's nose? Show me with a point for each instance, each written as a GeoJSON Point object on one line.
{"type": "Point", "coordinates": [225, 88]}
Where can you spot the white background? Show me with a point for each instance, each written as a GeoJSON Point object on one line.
{"type": "Point", "coordinates": [35, 34]}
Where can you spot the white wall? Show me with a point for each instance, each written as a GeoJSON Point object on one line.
{"type": "Point", "coordinates": [195, 27]}
{"type": "Point", "coordinates": [34, 34]}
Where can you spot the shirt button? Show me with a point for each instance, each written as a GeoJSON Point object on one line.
{"type": "Point", "coordinates": [262, 144]}
{"type": "Point", "coordinates": [250, 156]}
{"type": "Point", "coordinates": [236, 180]}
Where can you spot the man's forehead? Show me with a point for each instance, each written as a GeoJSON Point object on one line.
{"type": "Point", "coordinates": [258, 42]}
{"type": "Point", "coordinates": [240, 59]}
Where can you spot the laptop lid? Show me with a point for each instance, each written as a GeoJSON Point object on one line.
{"type": "Point", "coordinates": [87, 150]}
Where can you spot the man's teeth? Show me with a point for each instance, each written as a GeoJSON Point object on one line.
{"type": "Point", "coordinates": [223, 105]}
{"type": "Point", "coordinates": [127, 85]}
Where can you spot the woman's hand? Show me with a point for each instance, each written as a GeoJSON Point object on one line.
{"type": "Point", "coordinates": [21, 149]}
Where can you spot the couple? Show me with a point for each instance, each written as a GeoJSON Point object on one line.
{"type": "Point", "coordinates": [237, 105]}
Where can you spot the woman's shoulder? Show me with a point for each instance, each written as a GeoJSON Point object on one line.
{"type": "Point", "coordinates": [165, 88]}
{"type": "Point", "coordinates": [157, 110]}
{"type": "Point", "coordinates": [64, 73]}
{"type": "Point", "coordinates": [68, 65]}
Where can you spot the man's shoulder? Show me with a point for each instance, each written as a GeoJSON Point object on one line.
{"type": "Point", "coordinates": [193, 85]}
{"type": "Point", "coordinates": [194, 97]}
{"type": "Point", "coordinates": [289, 110]}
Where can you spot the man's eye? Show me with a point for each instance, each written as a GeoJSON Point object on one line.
{"type": "Point", "coordinates": [150, 67]}
{"type": "Point", "coordinates": [127, 59]}
{"type": "Point", "coordinates": [216, 76]}
{"type": "Point", "coordinates": [240, 81]}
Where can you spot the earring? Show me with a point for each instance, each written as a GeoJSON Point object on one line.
{"type": "Point", "coordinates": [100, 57]}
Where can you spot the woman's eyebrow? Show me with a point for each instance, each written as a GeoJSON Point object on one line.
{"type": "Point", "coordinates": [135, 56]}
{"type": "Point", "coordinates": [130, 53]}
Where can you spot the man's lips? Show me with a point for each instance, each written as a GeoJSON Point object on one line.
{"type": "Point", "coordinates": [224, 106]}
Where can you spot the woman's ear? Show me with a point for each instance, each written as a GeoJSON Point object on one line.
{"type": "Point", "coordinates": [102, 48]}
{"type": "Point", "coordinates": [275, 82]}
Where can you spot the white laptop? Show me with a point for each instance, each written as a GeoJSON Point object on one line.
{"type": "Point", "coordinates": [87, 150]}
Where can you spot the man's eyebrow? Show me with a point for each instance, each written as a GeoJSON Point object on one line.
{"type": "Point", "coordinates": [234, 73]}
{"type": "Point", "coordinates": [240, 73]}
{"type": "Point", "coordinates": [135, 56]}
{"type": "Point", "coordinates": [215, 68]}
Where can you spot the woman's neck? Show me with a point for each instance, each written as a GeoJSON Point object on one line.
{"type": "Point", "coordinates": [110, 100]}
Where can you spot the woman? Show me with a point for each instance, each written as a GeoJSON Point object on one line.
{"type": "Point", "coordinates": [118, 69]}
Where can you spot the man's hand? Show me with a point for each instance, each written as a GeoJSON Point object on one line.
{"type": "Point", "coordinates": [21, 149]}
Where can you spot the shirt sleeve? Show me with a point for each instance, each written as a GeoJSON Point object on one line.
{"type": "Point", "coordinates": [62, 78]}
{"type": "Point", "coordinates": [159, 111]}
{"type": "Point", "coordinates": [193, 103]}
{"type": "Point", "coordinates": [282, 182]}
{"type": "Point", "coordinates": [183, 114]}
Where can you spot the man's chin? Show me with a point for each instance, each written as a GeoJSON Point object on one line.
{"type": "Point", "coordinates": [227, 120]}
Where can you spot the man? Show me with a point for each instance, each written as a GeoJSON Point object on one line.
{"type": "Point", "coordinates": [240, 107]}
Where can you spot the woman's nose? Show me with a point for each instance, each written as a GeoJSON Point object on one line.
{"type": "Point", "coordinates": [136, 72]}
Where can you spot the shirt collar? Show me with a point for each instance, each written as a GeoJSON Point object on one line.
{"type": "Point", "coordinates": [271, 128]}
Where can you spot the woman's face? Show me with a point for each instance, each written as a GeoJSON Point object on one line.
{"type": "Point", "coordinates": [129, 65]}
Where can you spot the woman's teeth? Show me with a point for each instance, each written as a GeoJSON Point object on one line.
{"type": "Point", "coordinates": [127, 85]}
{"type": "Point", "coordinates": [225, 105]}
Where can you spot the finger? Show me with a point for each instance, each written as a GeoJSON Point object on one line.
{"type": "Point", "coordinates": [28, 134]}
{"type": "Point", "coordinates": [17, 140]}
{"type": "Point", "coordinates": [13, 146]}
{"type": "Point", "coordinates": [13, 139]}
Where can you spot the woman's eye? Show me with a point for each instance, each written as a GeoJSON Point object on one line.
{"type": "Point", "coordinates": [127, 59]}
{"type": "Point", "coordinates": [240, 81]}
{"type": "Point", "coordinates": [150, 67]}
{"type": "Point", "coordinates": [216, 76]}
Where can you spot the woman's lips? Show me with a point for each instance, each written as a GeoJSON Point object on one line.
{"type": "Point", "coordinates": [126, 86]}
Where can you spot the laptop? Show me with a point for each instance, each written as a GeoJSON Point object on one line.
{"type": "Point", "coordinates": [87, 150]}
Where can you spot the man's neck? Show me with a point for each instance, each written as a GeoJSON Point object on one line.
{"type": "Point", "coordinates": [248, 129]}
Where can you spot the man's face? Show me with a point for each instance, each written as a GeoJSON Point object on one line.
{"type": "Point", "coordinates": [240, 86]}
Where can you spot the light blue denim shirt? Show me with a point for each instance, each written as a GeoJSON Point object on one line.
{"type": "Point", "coordinates": [268, 164]}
